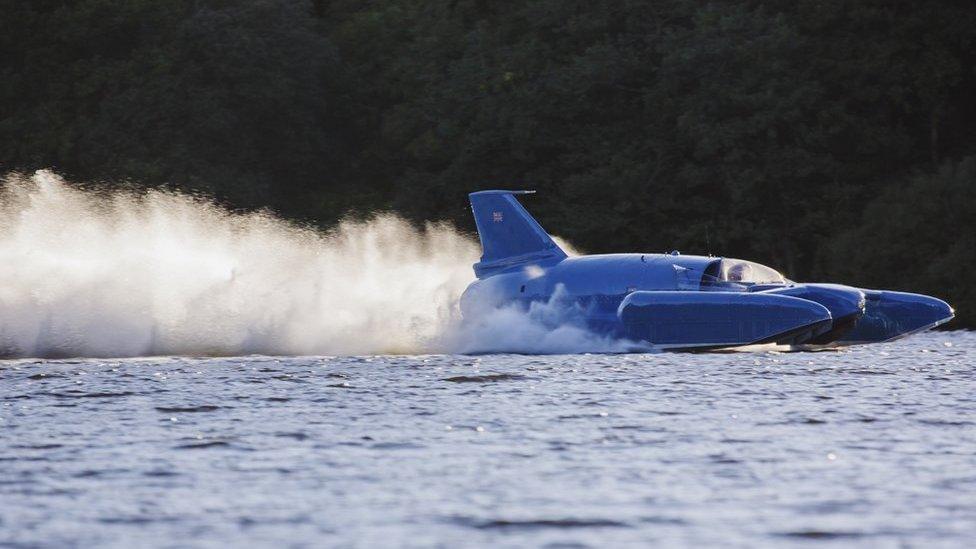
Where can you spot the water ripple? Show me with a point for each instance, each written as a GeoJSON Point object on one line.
{"type": "Point", "coordinates": [871, 446]}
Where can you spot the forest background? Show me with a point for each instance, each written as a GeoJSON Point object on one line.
{"type": "Point", "coordinates": [833, 140]}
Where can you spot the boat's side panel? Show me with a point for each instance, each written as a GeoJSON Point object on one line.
{"type": "Point", "coordinates": [719, 319]}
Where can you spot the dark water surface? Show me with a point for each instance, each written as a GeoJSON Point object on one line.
{"type": "Point", "coordinates": [874, 446]}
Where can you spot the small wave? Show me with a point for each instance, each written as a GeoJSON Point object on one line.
{"type": "Point", "coordinates": [38, 446]}
{"type": "Point", "coordinates": [75, 394]}
{"type": "Point", "coordinates": [203, 444]}
{"type": "Point", "coordinates": [187, 409]}
{"type": "Point", "coordinates": [487, 378]}
{"type": "Point", "coordinates": [822, 534]}
{"type": "Point", "coordinates": [564, 523]}
{"type": "Point", "coordinates": [293, 436]}
{"type": "Point", "coordinates": [137, 520]}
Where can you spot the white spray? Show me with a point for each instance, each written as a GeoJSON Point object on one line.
{"type": "Point", "coordinates": [125, 274]}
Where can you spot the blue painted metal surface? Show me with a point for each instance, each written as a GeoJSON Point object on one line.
{"type": "Point", "coordinates": [892, 315]}
{"type": "Point", "coordinates": [509, 235]}
{"type": "Point", "coordinates": [689, 320]}
{"type": "Point", "coordinates": [676, 301]}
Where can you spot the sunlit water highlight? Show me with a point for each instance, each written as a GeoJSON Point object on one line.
{"type": "Point", "coordinates": [872, 446]}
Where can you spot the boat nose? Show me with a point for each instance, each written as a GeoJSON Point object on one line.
{"type": "Point", "coordinates": [892, 315]}
{"type": "Point", "coordinates": [941, 311]}
{"type": "Point", "coordinates": [915, 311]}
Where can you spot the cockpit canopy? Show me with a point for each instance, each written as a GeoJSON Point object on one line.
{"type": "Point", "coordinates": [739, 271]}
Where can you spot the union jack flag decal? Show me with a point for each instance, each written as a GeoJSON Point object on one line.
{"type": "Point", "coordinates": [496, 217]}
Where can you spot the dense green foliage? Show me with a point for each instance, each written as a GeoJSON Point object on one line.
{"type": "Point", "coordinates": [832, 139]}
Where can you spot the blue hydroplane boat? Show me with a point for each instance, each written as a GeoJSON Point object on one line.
{"type": "Point", "coordinates": [678, 302]}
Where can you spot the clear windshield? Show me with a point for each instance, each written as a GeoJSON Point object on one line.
{"type": "Point", "coordinates": [747, 272]}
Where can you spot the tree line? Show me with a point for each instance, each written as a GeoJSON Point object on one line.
{"type": "Point", "coordinates": [831, 139]}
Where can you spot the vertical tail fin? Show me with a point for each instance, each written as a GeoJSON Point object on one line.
{"type": "Point", "coordinates": [509, 235]}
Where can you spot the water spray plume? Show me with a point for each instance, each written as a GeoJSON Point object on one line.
{"type": "Point", "coordinates": [110, 274]}
{"type": "Point", "coordinates": [124, 274]}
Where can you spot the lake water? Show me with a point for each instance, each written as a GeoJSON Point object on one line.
{"type": "Point", "coordinates": [871, 446]}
